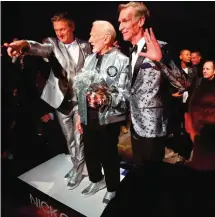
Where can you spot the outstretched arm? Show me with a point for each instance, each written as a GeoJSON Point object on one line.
{"type": "Point", "coordinates": [16, 48]}
{"type": "Point", "coordinates": [20, 47]}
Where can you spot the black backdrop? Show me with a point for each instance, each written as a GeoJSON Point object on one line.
{"type": "Point", "coordinates": [182, 24]}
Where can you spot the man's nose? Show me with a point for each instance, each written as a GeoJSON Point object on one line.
{"type": "Point", "coordinates": [120, 27]}
{"type": "Point", "coordinates": [90, 40]}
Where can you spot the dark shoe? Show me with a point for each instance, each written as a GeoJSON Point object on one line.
{"type": "Point", "coordinates": [94, 187]}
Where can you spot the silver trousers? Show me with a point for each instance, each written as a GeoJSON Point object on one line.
{"type": "Point", "coordinates": [73, 137]}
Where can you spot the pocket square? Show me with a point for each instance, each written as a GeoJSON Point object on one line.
{"type": "Point", "coordinates": [146, 66]}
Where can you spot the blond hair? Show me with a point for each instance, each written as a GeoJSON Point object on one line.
{"type": "Point", "coordinates": [63, 16]}
{"type": "Point", "coordinates": [140, 9]}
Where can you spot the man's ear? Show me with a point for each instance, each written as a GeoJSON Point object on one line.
{"type": "Point", "coordinates": [188, 122]}
{"type": "Point", "coordinates": [141, 21]}
{"type": "Point", "coordinates": [107, 39]}
{"type": "Point", "coordinates": [73, 26]}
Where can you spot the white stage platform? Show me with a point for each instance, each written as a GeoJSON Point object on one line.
{"type": "Point", "coordinates": [49, 179]}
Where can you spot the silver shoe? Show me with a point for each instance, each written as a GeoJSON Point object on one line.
{"type": "Point", "coordinates": [68, 176]}
{"type": "Point", "coordinates": [94, 187]}
{"type": "Point", "coordinates": [75, 180]}
{"type": "Point", "coordinates": [108, 197]}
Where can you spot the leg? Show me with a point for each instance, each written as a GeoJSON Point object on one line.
{"type": "Point", "coordinates": [109, 155]}
{"type": "Point", "coordinates": [147, 149]}
{"type": "Point", "coordinates": [92, 135]}
{"type": "Point", "coordinates": [73, 138]}
{"type": "Point", "coordinates": [110, 159]}
{"type": "Point", "coordinates": [136, 145]}
{"type": "Point", "coordinates": [75, 147]}
{"type": "Point", "coordinates": [79, 146]}
{"type": "Point", "coordinates": [91, 153]}
{"type": "Point", "coordinates": [66, 123]}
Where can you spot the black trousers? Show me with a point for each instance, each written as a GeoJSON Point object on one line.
{"type": "Point", "coordinates": [100, 150]}
{"type": "Point", "coordinates": [147, 149]}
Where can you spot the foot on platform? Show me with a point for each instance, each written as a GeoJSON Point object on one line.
{"type": "Point", "coordinates": [68, 176]}
{"type": "Point", "coordinates": [108, 197]}
{"type": "Point", "coordinates": [94, 187]}
{"type": "Point", "coordinates": [75, 180]}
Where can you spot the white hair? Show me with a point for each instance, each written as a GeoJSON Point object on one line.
{"type": "Point", "coordinates": [107, 28]}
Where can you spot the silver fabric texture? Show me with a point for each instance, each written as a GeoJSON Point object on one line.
{"type": "Point", "coordinates": [114, 71]}
{"type": "Point", "coordinates": [73, 138]}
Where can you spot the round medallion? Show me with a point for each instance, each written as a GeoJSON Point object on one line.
{"type": "Point", "coordinates": [112, 71]}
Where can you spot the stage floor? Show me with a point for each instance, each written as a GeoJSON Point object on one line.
{"type": "Point", "coordinates": [48, 178]}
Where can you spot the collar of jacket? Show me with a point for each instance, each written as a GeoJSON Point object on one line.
{"type": "Point", "coordinates": [108, 52]}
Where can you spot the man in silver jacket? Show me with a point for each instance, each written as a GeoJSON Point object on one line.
{"type": "Point", "coordinates": [149, 84]}
{"type": "Point", "coordinates": [66, 55]}
{"type": "Point", "coordinates": [102, 108]}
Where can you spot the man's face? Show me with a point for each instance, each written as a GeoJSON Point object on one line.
{"type": "Point", "coordinates": [129, 25]}
{"type": "Point", "coordinates": [64, 31]}
{"type": "Point", "coordinates": [208, 70]}
{"type": "Point", "coordinates": [185, 56]}
{"type": "Point", "coordinates": [97, 39]}
{"type": "Point", "coordinates": [195, 58]}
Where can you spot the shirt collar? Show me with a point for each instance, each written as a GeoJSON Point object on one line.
{"type": "Point", "coordinates": [73, 43]}
{"type": "Point", "coordinates": [140, 44]}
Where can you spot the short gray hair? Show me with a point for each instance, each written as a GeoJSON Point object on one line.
{"type": "Point", "coordinates": [107, 28]}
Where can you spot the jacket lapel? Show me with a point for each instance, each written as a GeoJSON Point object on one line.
{"type": "Point", "coordinates": [81, 57]}
{"type": "Point", "coordinates": [65, 54]}
{"type": "Point", "coordinates": [137, 66]}
{"type": "Point", "coordinates": [70, 68]}
{"type": "Point", "coordinates": [81, 46]}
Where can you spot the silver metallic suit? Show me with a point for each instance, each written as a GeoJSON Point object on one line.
{"type": "Point", "coordinates": [58, 91]}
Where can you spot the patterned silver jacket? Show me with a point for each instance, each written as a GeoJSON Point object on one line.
{"type": "Point", "coordinates": [149, 90]}
{"type": "Point", "coordinates": [114, 71]}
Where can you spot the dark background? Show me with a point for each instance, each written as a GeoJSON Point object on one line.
{"type": "Point", "coordinates": [181, 24]}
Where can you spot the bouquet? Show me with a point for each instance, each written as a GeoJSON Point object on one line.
{"type": "Point", "coordinates": [84, 79]}
{"type": "Point", "coordinates": [91, 85]}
